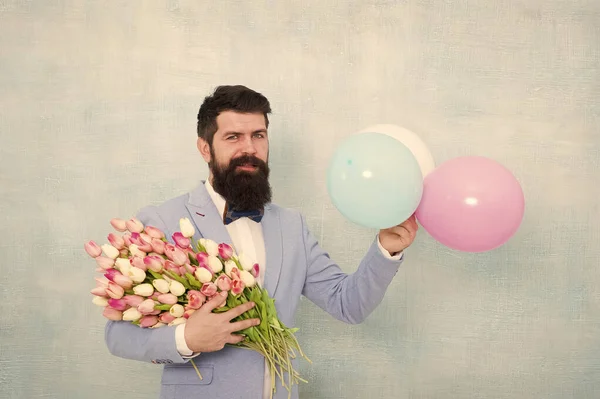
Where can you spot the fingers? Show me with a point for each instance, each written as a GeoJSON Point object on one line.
{"type": "Point", "coordinates": [243, 324]}
{"type": "Point", "coordinates": [214, 303]}
{"type": "Point", "coordinates": [235, 339]}
{"type": "Point", "coordinates": [238, 310]}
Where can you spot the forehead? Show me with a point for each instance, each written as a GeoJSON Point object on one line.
{"type": "Point", "coordinates": [231, 121]}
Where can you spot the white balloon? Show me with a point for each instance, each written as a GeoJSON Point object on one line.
{"type": "Point", "coordinates": [413, 142]}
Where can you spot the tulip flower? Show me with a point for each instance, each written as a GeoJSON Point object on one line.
{"type": "Point", "coordinates": [136, 251]}
{"type": "Point", "coordinates": [112, 314]}
{"type": "Point", "coordinates": [176, 310]}
{"type": "Point", "coordinates": [225, 251]}
{"type": "Point", "coordinates": [247, 278]}
{"type": "Point", "coordinates": [127, 239]}
{"type": "Point", "coordinates": [158, 246]}
{"type": "Point", "coordinates": [176, 288]}
{"type": "Point", "coordinates": [136, 275]}
{"type": "Point", "coordinates": [146, 307]}
{"type": "Point", "coordinates": [99, 291]}
{"type": "Point", "coordinates": [100, 301]}
{"type": "Point", "coordinates": [118, 224]}
{"type": "Point", "coordinates": [110, 275]}
{"type": "Point", "coordinates": [212, 248]}
{"type": "Point", "coordinates": [208, 289]}
{"type": "Point", "coordinates": [172, 267]}
{"type": "Point", "coordinates": [189, 268]}
{"type": "Point", "coordinates": [124, 281]}
{"type": "Point", "coordinates": [159, 324]}
{"type": "Point", "coordinates": [167, 299]}
{"type": "Point", "coordinates": [154, 232]}
{"type": "Point", "coordinates": [215, 264]}
{"type": "Point", "coordinates": [202, 258]}
{"type": "Point", "coordinates": [235, 274]}
{"type": "Point", "coordinates": [133, 300]}
{"type": "Point", "coordinates": [237, 287]}
{"type": "Point", "coordinates": [138, 262]}
{"type": "Point", "coordinates": [92, 249]}
{"type": "Point", "coordinates": [116, 241]}
{"type": "Point", "coordinates": [195, 299]}
{"type": "Point", "coordinates": [132, 314]}
{"type": "Point", "coordinates": [161, 285]}
{"type": "Point", "coordinates": [110, 251]}
{"type": "Point", "coordinates": [255, 271]}
{"type": "Point", "coordinates": [105, 263]}
{"type": "Point", "coordinates": [165, 317]}
{"type": "Point", "coordinates": [148, 321]}
{"type": "Point", "coordinates": [229, 266]}
{"type": "Point", "coordinates": [115, 291]}
{"type": "Point", "coordinates": [186, 227]}
{"type": "Point", "coordinates": [223, 282]}
{"type": "Point", "coordinates": [118, 304]}
{"type": "Point", "coordinates": [144, 289]}
{"type": "Point", "coordinates": [181, 241]}
{"type": "Point", "coordinates": [122, 264]}
{"type": "Point", "coordinates": [134, 225]}
{"type": "Point", "coordinates": [203, 274]}
{"type": "Point", "coordinates": [176, 255]}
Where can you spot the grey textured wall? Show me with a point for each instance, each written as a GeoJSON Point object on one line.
{"type": "Point", "coordinates": [97, 109]}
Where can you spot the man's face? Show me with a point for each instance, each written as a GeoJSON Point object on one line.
{"type": "Point", "coordinates": [238, 160]}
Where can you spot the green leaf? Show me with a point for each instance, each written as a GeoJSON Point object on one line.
{"type": "Point", "coordinates": [154, 274]}
{"type": "Point", "coordinates": [178, 278]}
{"type": "Point", "coordinates": [162, 307]}
{"type": "Point", "coordinates": [193, 281]}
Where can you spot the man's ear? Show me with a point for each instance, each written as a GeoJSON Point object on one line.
{"type": "Point", "coordinates": [204, 149]}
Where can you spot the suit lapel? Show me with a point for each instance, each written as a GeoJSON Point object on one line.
{"type": "Point", "coordinates": [273, 248]}
{"type": "Point", "coordinates": [209, 224]}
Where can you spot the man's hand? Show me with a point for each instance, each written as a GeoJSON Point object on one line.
{"type": "Point", "coordinates": [208, 332]}
{"type": "Point", "coordinates": [397, 238]}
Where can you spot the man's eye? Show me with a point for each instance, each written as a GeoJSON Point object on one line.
{"type": "Point", "coordinates": [232, 137]}
{"type": "Point", "coordinates": [259, 135]}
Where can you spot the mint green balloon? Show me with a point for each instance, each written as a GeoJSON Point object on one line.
{"type": "Point", "coordinates": [374, 180]}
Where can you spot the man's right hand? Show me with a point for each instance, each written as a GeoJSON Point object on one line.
{"type": "Point", "coordinates": [208, 332]}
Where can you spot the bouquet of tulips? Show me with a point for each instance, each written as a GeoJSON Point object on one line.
{"type": "Point", "coordinates": [152, 282]}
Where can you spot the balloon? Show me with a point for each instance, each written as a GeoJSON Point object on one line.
{"type": "Point", "coordinates": [471, 204]}
{"type": "Point", "coordinates": [414, 143]}
{"type": "Point", "coordinates": [374, 180]}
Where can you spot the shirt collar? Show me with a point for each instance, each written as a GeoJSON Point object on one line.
{"type": "Point", "coordinates": [217, 198]}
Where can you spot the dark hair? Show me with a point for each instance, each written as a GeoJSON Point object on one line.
{"type": "Point", "coordinates": [229, 98]}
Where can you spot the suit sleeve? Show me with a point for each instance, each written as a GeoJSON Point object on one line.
{"type": "Point", "coordinates": [128, 341]}
{"type": "Point", "coordinates": [348, 297]}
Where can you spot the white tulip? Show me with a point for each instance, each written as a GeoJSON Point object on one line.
{"type": "Point", "coordinates": [100, 301]}
{"type": "Point", "coordinates": [215, 264]}
{"type": "Point", "coordinates": [123, 265]}
{"type": "Point", "coordinates": [212, 248]}
{"type": "Point", "coordinates": [136, 274]}
{"type": "Point", "coordinates": [229, 265]}
{"type": "Point", "coordinates": [186, 227]}
{"type": "Point", "coordinates": [246, 262]}
{"type": "Point", "coordinates": [177, 321]}
{"type": "Point", "coordinates": [203, 275]}
{"type": "Point", "coordinates": [143, 289]}
{"type": "Point", "coordinates": [177, 310]}
{"type": "Point", "coordinates": [247, 278]}
{"type": "Point", "coordinates": [110, 251]}
{"type": "Point", "coordinates": [161, 285]}
{"type": "Point", "coordinates": [176, 288]}
{"type": "Point", "coordinates": [136, 251]}
{"type": "Point", "coordinates": [131, 314]}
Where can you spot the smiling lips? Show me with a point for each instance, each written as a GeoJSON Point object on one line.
{"type": "Point", "coordinates": [247, 167]}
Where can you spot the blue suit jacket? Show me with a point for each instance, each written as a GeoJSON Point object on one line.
{"type": "Point", "coordinates": [295, 266]}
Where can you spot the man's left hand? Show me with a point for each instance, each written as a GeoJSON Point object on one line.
{"type": "Point", "coordinates": [397, 238]}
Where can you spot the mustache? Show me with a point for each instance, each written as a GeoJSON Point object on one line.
{"type": "Point", "coordinates": [247, 160]}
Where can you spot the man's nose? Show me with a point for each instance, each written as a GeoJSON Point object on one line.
{"type": "Point", "coordinates": [249, 147]}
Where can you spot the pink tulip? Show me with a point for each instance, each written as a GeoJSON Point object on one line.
{"type": "Point", "coordinates": [133, 300]}
{"type": "Point", "coordinates": [189, 268]}
{"type": "Point", "coordinates": [154, 232]}
{"type": "Point", "coordinates": [208, 289]}
{"type": "Point", "coordinates": [112, 314]}
{"type": "Point", "coordinates": [111, 273]}
{"type": "Point", "coordinates": [138, 262]}
{"type": "Point", "coordinates": [127, 239]}
{"type": "Point", "coordinates": [202, 258]}
{"type": "Point", "coordinates": [118, 304]}
{"type": "Point", "coordinates": [181, 241]}
{"type": "Point", "coordinates": [118, 224]}
{"type": "Point", "coordinates": [195, 299]}
{"type": "Point", "coordinates": [235, 273]}
{"type": "Point", "coordinates": [115, 291]}
{"type": "Point", "coordinates": [154, 263]}
{"type": "Point", "coordinates": [165, 317]}
{"type": "Point", "coordinates": [134, 225]}
{"type": "Point", "coordinates": [158, 246]}
{"type": "Point", "coordinates": [167, 299]}
{"type": "Point", "coordinates": [255, 270]}
{"type": "Point", "coordinates": [148, 321]}
{"type": "Point", "coordinates": [146, 307]}
{"type": "Point", "coordinates": [176, 255]}
{"type": "Point", "coordinates": [223, 282]}
{"type": "Point", "coordinates": [142, 244]}
{"type": "Point", "coordinates": [172, 267]}
{"type": "Point", "coordinates": [124, 281]}
{"type": "Point", "coordinates": [116, 240]}
{"type": "Point", "coordinates": [225, 251]}
{"type": "Point", "coordinates": [237, 287]}
{"type": "Point", "coordinates": [99, 291]}
{"type": "Point", "coordinates": [155, 313]}
{"type": "Point", "coordinates": [101, 282]}
{"type": "Point", "coordinates": [104, 262]}
{"type": "Point", "coordinates": [92, 249]}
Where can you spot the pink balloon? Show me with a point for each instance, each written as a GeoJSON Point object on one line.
{"type": "Point", "coordinates": [471, 204]}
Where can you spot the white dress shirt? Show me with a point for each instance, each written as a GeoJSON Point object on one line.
{"type": "Point", "coordinates": [247, 238]}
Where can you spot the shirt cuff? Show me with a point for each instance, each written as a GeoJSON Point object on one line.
{"type": "Point", "coordinates": [182, 347]}
{"type": "Point", "coordinates": [385, 252]}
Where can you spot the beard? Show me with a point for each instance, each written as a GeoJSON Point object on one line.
{"type": "Point", "coordinates": [243, 190]}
